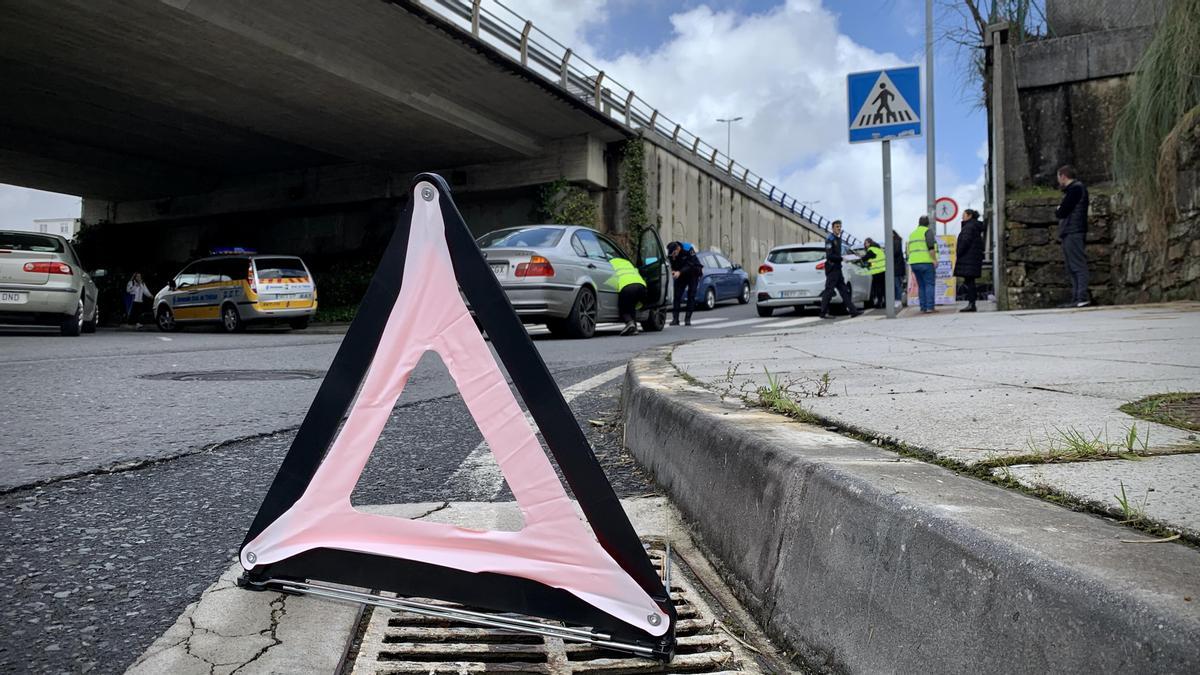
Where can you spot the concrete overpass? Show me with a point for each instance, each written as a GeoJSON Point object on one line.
{"type": "Point", "coordinates": [292, 121]}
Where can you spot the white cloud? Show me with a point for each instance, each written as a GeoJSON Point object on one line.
{"type": "Point", "coordinates": [21, 206]}
{"type": "Point", "coordinates": [783, 71]}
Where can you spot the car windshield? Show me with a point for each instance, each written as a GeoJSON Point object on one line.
{"type": "Point", "coordinates": [22, 241]}
{"type": "Point", "coordinates": [793, 256]}
{"type": "Point", "coordinates": [531, 237]}
{"type": "Point", "coordinates": [280, 268]}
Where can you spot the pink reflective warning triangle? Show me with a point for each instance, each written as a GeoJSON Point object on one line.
{"type": "Point", "coordinates": [554, 548]}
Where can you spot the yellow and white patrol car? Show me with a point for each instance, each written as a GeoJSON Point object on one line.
{"type": "Point", "coordinates": [238, 287]}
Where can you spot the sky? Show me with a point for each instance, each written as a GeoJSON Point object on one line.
{"type": "Point", "coordinates": [779, 64]}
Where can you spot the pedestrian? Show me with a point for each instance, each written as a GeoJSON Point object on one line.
{"type": "Point", "coordinates": [834, 281]}
{"type": "Point", "coordinates": [876, 265]}
{"type": "Point", "coordinates": [631, 291]}
{"type": "Point", "coordinates": [686, 270]}
{"type": "Point", "coordinates": [922, 247]}
{"type": "Point", "coordinates": [900, 273]}
{"type": "Point", "coordinates": [968, 256]}
{"type": "Point", "coordinates": [139, 296]}
{"type": "Point", "coordinates": [1072, 233]}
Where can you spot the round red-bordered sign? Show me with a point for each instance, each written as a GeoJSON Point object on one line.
{"type": "Point", "coordinates": [945, 209]}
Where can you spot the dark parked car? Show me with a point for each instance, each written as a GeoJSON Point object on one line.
{"type": "Point", "coordinates": [722, 280]}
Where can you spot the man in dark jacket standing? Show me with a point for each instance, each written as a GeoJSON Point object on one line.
{"type": "Point", "coordinates": [834, 281]}
{"type": "Point", "coordinates": [968, 257]}
{"type": "Point", "coordinates": [687, 270]}
{"type": "Point", "coordinates": [900, 269]}
{"type": "Point", "coordinates": [1072, 232]}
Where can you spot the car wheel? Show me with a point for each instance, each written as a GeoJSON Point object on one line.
{"type": "Point", "coordinates": [744, 298]}
{"type": "Point", "coordinates": [165, 319]}
{"type": "Point", "coordinates": [764, 312]}
{"type": "Point", "coordinates": [301, 323]}
{"type": "Point", "coordinates": [90, 326]}
{"type": "Point", "coordinates": [231, 321]}
{"type": "Point", "coordinates": [710, 298]}
{"type": "Point", "coordinates": [73, 325]}
{"type": "Point", "coordinates": [656, 321]}
{"type": "Point", "coordinates": [581, 323]}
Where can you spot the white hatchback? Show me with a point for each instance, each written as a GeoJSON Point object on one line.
{"type": "Point", "coordinates": [794, 276]}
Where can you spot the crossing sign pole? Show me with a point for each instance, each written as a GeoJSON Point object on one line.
{"type": "Point", "coordinates": [885, 105]}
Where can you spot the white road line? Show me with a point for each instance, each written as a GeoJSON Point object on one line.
{"type": "Point", "coordinates": [792, 323]}
{"type": "Point", "coordinates": [697, 322]}
{"type": "Point", "coordinates": [164, 339]}
{"type": "Point", "coordinates": [479, 474]}
{"type": "Point", "coordinates": [731, 324]}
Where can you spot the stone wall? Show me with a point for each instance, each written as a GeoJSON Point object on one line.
{"type": "Point", "coordinates": [1131, 259]}
{"type": "Point", "coordinates": [1069, 92]}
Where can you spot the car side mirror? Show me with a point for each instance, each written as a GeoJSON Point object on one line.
{"type": "Point", "coordinates": [171, 284]}
{"type": "Point", "coordinates": [737, 266]}
{"type": "Point", "coordinates": [99, 273]}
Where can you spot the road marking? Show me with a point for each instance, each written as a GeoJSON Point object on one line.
{"type": "Point", "coordinates": [697, 322]}
{"type": "Point", "coordinates": [164, 339]}
{"type": "Point", "coordinates": [731, 324]}
{"type": "Point", "coordinates": [792, 323]}
{"type": "Point", "coordinates": [479, 473]}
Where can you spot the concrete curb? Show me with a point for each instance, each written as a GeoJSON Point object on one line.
{"type": "Point", "coordinates": [864, 561]}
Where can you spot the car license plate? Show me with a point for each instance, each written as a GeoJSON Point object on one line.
{"type": "Point", "coordinates": [13, 298]}
{"type": "Point", "coordinates": [792, 294]}
{"type": "Point", "coordinates": [500, 269]}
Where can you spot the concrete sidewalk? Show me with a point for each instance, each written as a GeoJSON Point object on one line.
{"type": "Point", "coordinates": [1017, 392]}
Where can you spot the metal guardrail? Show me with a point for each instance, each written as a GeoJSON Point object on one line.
{"type": "Point", "coordinates": [554, 62]}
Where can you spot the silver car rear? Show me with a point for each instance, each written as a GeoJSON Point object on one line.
{"type": "Point", "coordinates": [42, 282]}
{"type": "Point", "coordinates": [558, 275]}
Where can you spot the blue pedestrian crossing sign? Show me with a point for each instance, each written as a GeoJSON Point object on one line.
{"type": "Point", "coordinates": [884, 104]}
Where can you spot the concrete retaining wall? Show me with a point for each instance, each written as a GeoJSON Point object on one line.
{"type": "Point", "coordinates": [863, 561]}
{"type": "Point", "coordinates": [693, 203]}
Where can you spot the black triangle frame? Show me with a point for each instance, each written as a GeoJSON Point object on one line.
{"type": "Point", "coordinates": [543, 399]}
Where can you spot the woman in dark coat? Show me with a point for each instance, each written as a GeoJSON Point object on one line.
{"type": "Point", "coordinates": [968, 259]}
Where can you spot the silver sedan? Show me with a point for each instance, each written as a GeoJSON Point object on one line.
{"type": "Point", "coordinates": [42, 282]}
{"type": "Point", "coordinates": [560, 275]}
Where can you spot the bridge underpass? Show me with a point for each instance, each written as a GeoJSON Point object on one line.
{"type": "Point", "coordinates": [295, 125]}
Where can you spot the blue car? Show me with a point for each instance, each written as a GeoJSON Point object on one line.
{"type": "Point", "coordinates": [722, 280]}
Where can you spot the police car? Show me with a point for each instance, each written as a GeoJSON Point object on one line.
{"type": "Point", "coordinates": [235, 287]}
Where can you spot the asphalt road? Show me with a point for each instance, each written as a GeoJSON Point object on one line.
{"type": "Point", "coordinates": [125, 491]}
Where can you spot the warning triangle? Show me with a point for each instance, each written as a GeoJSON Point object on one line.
{"type": "Point", "coordinates": [884, 106]}
{"type": "Point", "coordinates": [307, 529]}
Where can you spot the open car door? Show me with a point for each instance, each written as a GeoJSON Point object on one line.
{"type": "Point", "coordinates": [652, 264]}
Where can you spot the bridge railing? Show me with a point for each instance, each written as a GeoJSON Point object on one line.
{"type": "Point", "coordinates": [517, 37]}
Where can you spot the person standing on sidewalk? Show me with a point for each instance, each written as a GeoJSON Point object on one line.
{"type": "Point", "coordinates": [686, 269]}
{"type": "Point", "coordinates": [834, 281]}
{"type": "Point", "coordinates": [876, 265]}
{"type": "Point", "coordinates": [922, 247]}
{"type": "Point", "coordinates": [900, 271]}
{"type": "Point", "coordinates": [1072, 233]}
{"type": "Point", "coordinates": [968, 257]}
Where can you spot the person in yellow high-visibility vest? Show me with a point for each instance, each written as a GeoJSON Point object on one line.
{"type": "Point", "coordinates": [922, 258]}
{"type": "Point", "coordinates": [876, 265]}
{"type": "Point", "coordinates": [631, 290]}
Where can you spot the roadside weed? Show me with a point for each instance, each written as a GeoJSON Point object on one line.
{"type": "Point", "coordinates": [1133, 511]}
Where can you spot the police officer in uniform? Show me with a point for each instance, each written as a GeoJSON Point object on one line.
{"type": "Point", "coordinates": [833, 274]}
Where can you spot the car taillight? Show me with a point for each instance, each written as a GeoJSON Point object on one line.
{"type": "Point", "coordinates": [764, 268]}
{"type": "Point", "coordinates": [250, 278]}
{"type": "Point", "coordinates": [536, 267]}
{"type": "Point", "coordinates": [48, 267]}
{"type": "Point", "coordinates": [821, 265]}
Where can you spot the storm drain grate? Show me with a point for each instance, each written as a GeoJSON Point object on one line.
{"type": "Point", "coordinates": [398, 642]}
{"type": "Point", "coordinates": [236, 375]}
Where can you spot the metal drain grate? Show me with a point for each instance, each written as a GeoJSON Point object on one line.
{"type": "Point", "coordinates": [236, 375]}
{"type": "Point", "coordinates": [398, 642]}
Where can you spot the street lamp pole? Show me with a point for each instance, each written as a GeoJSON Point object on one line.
{"type": "Point", "coordinates": [728, 133]}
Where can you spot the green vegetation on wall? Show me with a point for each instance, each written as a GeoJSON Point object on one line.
{"type": "Point", "coordinates": [633, 180]}
{"type": "Point", "coordinates": [564, 204]}
{"type": "Point", "coordinates": [1164, 99]}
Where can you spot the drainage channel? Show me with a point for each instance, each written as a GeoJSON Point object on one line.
{"type": "Point", "coordinates": [399, 642]}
